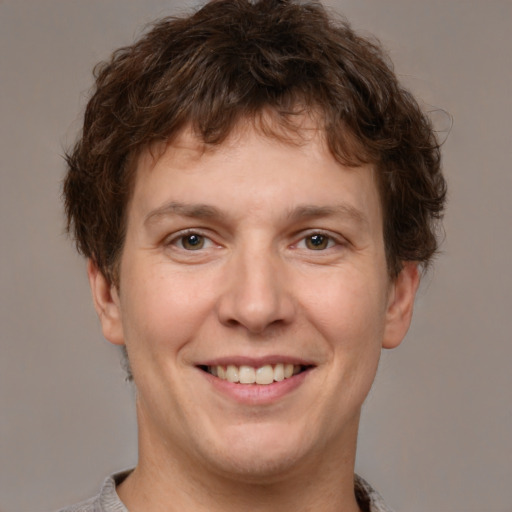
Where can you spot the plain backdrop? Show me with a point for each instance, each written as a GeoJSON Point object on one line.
{"type": "Point", "coordinates": [436, 432]}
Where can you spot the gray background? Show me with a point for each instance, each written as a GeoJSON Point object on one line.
{"type": "Point", "coordinates": [436, 430]}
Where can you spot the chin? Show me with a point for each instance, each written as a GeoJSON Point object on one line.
{"type": "Point", "coordinates": [263, 469]}
{"type": "Point", "coordinates": [259, 455]}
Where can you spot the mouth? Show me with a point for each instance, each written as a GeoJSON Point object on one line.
{"type": "Point", "coordinates": [263, 375]}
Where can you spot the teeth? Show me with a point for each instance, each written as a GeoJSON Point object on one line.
{"type": "Point", "coordinates": [231, 373]}
{"type": "Point", "coordinates": [265, 375]}
{"type": "Point", "coordinates": [248, 375]}
{"type": "Point", "coordinates": [279, 372]}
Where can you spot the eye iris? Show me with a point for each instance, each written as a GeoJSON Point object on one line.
{"type": "Point", "coordinates": [193, 242]}
{"type": "Point", "coordinates": [317, 242]}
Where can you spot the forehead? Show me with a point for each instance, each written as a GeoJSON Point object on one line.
{"type": "Point", "coordinates": [276, 171]}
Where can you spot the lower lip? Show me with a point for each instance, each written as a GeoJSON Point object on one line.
{"type": "Point", "coordinates": [257, 394]}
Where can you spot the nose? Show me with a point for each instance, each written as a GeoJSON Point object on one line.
{"type": "Point", "coordinates": [257, 293]}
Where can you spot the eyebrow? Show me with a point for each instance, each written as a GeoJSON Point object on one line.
{"type": "Point", "coordinates": [300, 213]}
{"type": "Point", "coordinates": [198, 211]}
{"type": "Point", "coordinates": [306, 212]}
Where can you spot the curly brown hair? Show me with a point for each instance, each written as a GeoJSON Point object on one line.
{"type": "Point", "coordinates": [229, 62]}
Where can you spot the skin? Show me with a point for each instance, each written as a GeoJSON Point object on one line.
{"type": "Point", "coordinates": [257, 289]}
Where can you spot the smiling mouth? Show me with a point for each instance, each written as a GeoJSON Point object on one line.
{"type": "Point", "coordinates": [267, 374]}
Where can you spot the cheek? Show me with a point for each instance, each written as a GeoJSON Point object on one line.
{"type": "Point", "coordinates": [351, 318]}
{"type": "Point", "coordinates": [348, 307]}
{"type": "Point", "coordinates": [163, 309]}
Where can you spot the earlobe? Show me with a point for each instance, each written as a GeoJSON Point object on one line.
{"type": "Point", "coordinates": [106, 303]}
{"type": "Point", "coordinates": [400, 305]}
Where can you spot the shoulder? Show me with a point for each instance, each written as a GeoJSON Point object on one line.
{"type": "Point", "coordinates": [368, 498]}
{"type": "Point", "coordinates": [84, 506]}
{"type": "Point", "coordinates": [106, 501]}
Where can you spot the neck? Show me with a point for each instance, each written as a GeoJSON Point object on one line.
{"type": "Point", "coordinates": [146, 491]}
{"type": "Point", "coordinates": [167, 479]}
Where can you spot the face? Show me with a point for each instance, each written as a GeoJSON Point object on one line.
{"type": "Point", "coordinates": [254, 301]}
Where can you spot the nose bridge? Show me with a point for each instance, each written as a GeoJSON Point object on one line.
{"type": "Point", "coordinates": [256, 295]}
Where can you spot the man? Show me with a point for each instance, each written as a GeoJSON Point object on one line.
{"type": "Point", "coordinates": [256, 196]}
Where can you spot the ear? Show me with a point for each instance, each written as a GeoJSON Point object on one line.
{"type": "Point", "coordinates": [400, 305]}
{"type": "Point", "coordinates": [106, 303]}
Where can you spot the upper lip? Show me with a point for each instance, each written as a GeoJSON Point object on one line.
{"type": "Point", "coordinates": [256, 362]}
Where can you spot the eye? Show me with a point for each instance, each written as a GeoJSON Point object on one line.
{"type": "Point", "coordinates": [317, 242]}
{"type": "Point", "coordinates": [192, 242]}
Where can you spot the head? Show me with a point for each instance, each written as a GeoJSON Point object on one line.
{"type": "Point", "coordinates": [253, 188]}
{"type": "Point", "coordinates": [238, 61]}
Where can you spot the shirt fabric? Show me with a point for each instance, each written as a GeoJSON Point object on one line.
{"type": "Point", "coordinates": [108, 500]}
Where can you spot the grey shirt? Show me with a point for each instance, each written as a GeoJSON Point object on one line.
{"type": "Point", "coordinates": [108, 500]}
